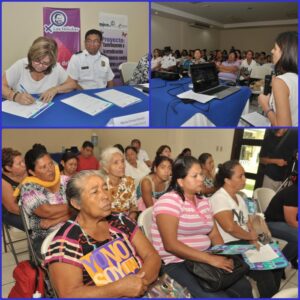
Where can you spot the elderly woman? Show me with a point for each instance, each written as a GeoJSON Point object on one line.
{"type": "Point", "coordinates": [89, 257]}
{"type": "Point", "coordinates": [68, 162]}
{"type": "Point", "coordinates": [228, 70]}
{"type": "Point", "coordinates": [184, 228]}
{"type": "Point", "coordinates": [208, 170]}
{"type": "Point", "coordinates": [43, 194]}
{"type": "Point", "coordinates": [231, 214]}
{"type": "Point", "coordinates": [39, 73]}
{"type": "Point", "coordinates": [135, 168]}
{"type": "Point", "coordinates": [281, 107]}
{"type": "Point", "coordinates": [152, 186]}
{"type": "Point", "coordinates": [121, 187]}
{"type": "Point", "coordinates": [13, 172]}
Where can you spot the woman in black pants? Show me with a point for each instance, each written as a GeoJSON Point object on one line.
{"type": "Point", "coordinates": [231, 214]}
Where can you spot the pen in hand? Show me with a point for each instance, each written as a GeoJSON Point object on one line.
{"type": "Point", "coordinates": [26, 98]}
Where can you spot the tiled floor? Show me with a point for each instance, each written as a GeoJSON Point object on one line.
{"type": "Point", "coordinates": [8, 265]}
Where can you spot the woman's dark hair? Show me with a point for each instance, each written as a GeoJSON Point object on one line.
{"type": "Point", "coordinates": [233, 52]}
{"type": "Point", "coordinates": [131, 148]}
{"type": "Point", "coordinates": [158, 160]}
{"type": "Point", "coordinates": [8, 156]}
{"type": "Point", "coordinates": [94, 31]}
{"type": "Point", "coordinates": [37, 151]}
{"type": "Point", "coordinates": [204, 157]}
{"type": "Point", "coordinates": [161, 149]}
{"type": "Point", "coordinates": [180, 169]}
{"type": "Point", "coordinates": [67, 155]}
{"type": "Point", "coordinates": [288, 44]}
{"type": "Point", "coordinates": [225, 171]}
{"type": "Point", "coordinates": [184, 151]}
{"type": "Point", "coordinates": [120, 147]}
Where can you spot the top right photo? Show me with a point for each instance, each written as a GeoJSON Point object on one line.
{"type": "Point", "coordinates": [224, 64]}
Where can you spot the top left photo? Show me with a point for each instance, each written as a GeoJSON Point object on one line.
{"type": "Point", "coordinates": [75, 64]}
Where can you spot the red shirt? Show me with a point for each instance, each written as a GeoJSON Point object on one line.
{"type": "Point", "coordinates": [87, 163]}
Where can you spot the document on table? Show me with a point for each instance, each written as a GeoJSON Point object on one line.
{"type": "Point", "coordinates": [118, 98]}
{"type": "Point", "coordinates": [265, 253]}
{"type": "Point", "coordinates": [195, 96]}
{"type": "Point", "coordinates": [256, 119]}
{"type": "Point", "coordinates": [87, 104]}
{"type": "Point", "coordinates": [25, 111]}
{"type": "Point", "coordinates": [133, 120]}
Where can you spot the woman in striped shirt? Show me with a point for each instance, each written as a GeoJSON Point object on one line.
{"type": "Point", "coordinates": [184, 228]}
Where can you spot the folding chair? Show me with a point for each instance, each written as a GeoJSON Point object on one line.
{"type": "Point", "coordinates": [127, 69]}
{"type": "Point", "coordinates": [145, 221]}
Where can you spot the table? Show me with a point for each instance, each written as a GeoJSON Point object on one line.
{"type": "Point", "coordinates": [61, 115]}
{"type": "Point", "coordinates": [169, 111]}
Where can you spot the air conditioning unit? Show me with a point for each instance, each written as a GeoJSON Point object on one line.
{"type": "Point", "coordinates": [199, 25]}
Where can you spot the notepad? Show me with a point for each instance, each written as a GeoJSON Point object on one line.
{"type": "Point", "coordinates": [265, 253]}
{"type": "Point", "coordinates": [256, 119]}
{"type": "Point", "coordinates": [195, 96]}
{"type": "Point", "coordinates": [25, 111]}
{"type": "Point", "coordinates": [118, 98]}
{"type": "Point", "coordinates": [87, 104]}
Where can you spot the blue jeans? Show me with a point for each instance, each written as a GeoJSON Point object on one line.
{"type": "Point", "coordinates": [288, 233]}
{"type": "Point", "coordinates": [12, 219]}
{"type": "Point", "coordinates": [179, 272]}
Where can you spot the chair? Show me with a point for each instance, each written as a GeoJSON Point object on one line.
{"type": "Point", "coordinates": [287, 293]}
{"type": "Point", "coordinates": [145, 221]}
{"type": "Point", "coordinates": [264, 197]}
{"type": "Point", "coordinates": [47, 242]}
{"type": "Point", "coordinates": [127, 69]}
{"type": "Point", "coordinates": [9, 242]}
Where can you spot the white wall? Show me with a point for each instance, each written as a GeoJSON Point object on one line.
{"type": "Point", "coordinates": [199, 140]}
{"type": "Point", "coordinates": [22, 24]}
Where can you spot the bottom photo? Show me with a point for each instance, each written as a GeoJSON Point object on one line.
{"type": "Point", "coordinates": [156, 213]}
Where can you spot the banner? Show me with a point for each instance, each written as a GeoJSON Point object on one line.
{"type": "Point", "coordinates": [110, 262]}
{"type": "Point", "coordinates": [115, 36]}
{"type": "Point", "coordinates": [63, 25]}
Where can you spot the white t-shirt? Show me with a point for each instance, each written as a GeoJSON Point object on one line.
{"type": "Point", "coordinates": [155, 62]}
{"type": "Point", "coordinates": [136, 173]}
{"type": "Point", "coordinates": [222, 201]}
{"type": "Point", "coordinates": [143, 155]}
{"type": "Point", "coordinates": [90, 71]}
{"type": "Point", "coordinates": [245, 64]}
{"type": "Point", "coordinates": [168, 61]}
{"type": "Point", "coordinates": [291, 80]}
{"type": "Point", "coordinates": [18, 75]}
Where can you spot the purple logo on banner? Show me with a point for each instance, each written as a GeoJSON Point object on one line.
{"type": "Point", "coordinates": [63, 25]}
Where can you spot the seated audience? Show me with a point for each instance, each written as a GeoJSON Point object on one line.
{"type": "Point", "coordinates": [218, 59]}
{"type": "Point", "coordinates": [282, 219]}
{"type": "Point", "coordinates": [134, 168]}
{"type": "Point", "coordinates": [43, 195]}
{"type": "Point", "coordinates": [142, 154]}
{"type": "Point", "coordinates": [185, 152]}
{"type": "Point", "coordinates": [198, 57]}
{"type": "Point", "coordinates": [247, 65]}
{"type": "Point", "coordinates": [94, 227]}
{"type": "Point", "coordinates": [120, 147]}
{"type": "Point", "coordinates": [231, 213]}
{"type": "Point", "coordinates": [168, 61]}
{"type": "Point", "coordinates": [152, 186]}
{"type": "Point", "coordinates": [121, 187]}
{"type": "Point", "coordinates": [90, 68]}
{"type": "Point", "coordinates": [68, 163]}
{"type": "Point", "coordinates": [86, 158]}
{"type": "Point", "coordinates": [141, 72]}
{"type": "Point", "coordinates": [164, 150]}
{"type": "Point", "coordinates": [156, 60]}
{"type": "Point", "coordinates": [39, 73]}
{"type": "Point", "coordinates": [238, 56]}
{"type": "Point", "coordinates": [228, 70]}
{"type": "Point", "coordinates": [184, 228]}
{"type": "Point", "coordinates": [281, 107]}
{"type": "Point", "coordinates": [13, 172]}
{"type": "Point", "coordinates": [208, 170]}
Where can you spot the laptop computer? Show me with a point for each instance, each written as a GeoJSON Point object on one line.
{"type": "Point", "coordinates": [206, 81]}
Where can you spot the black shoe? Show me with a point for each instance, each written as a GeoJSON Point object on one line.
{"type": "Point", "coordinates": [294, 263]}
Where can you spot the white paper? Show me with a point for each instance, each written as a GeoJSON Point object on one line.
{"type": "Point", "coordinates": [133, 120]}
{"type": "Point", "coordinates": [118, 98]}
{"type": "Point", "coordinates": [265, 253]}
{"type": "Point", "coordinates": [140, 87]}
{"type": "Point", "coordinates": [87, 104]}
{"type": "Point", "coordinates": [195, 96]}
{"type": "Point", "coordinates": [24, 111]}
{"type": "Point", "coordinates": [256, 119]}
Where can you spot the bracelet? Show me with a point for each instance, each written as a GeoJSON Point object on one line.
{"type": "Point", "coordinates": [15, 95]}
{"type": "Point", "coordinates": [267, 112]}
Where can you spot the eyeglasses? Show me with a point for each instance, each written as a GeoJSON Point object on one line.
{"type": "Point", "coordinates": [94, 42]}
{"type": "Point", "coordinates": [43, 63]}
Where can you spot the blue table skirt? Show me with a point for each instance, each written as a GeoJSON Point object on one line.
{"type": "Point", "coordinates": [61, 115]}
{"type": "Point", "coordinates": [169, 111]}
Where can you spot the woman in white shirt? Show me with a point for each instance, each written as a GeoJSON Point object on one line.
{"type": "Point", "coordinates": [156, 59]}
{"type": "Point", "coordinates": [281, 107]}
{"type": "Point", "coordinates": [39, 73]}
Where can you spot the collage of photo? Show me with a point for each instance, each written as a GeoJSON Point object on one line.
{"type": "Point", "coordinates": [149, 149]}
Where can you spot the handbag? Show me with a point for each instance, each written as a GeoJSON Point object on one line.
{"type": "Point", "coordinates": [213, 279]}
{"type": "Point", "coordinates": [166, 287]}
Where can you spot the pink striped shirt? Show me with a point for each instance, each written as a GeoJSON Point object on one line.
{"type": "Point", "coordinates": [195, 223]}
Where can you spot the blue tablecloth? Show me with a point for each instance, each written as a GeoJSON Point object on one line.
{"type": "Point", "coordinates": [169, 111]}
{"type": "Point", "coordinates": [62, 115]}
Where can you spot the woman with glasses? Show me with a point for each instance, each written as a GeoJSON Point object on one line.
{"type": "Point", "coordinates": [39, 73]}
